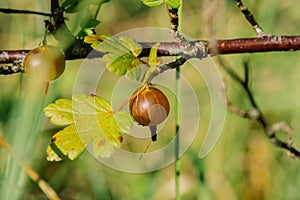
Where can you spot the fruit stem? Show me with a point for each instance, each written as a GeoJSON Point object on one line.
{"type": "Point", "coordinates": [44, 42]}
{"type": "Point", "coordinates": [131, 97]}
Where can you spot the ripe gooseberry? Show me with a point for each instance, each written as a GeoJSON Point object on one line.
{"type": "Point", "coordinates": [149, 106]}
{"type": "Point", "coordinates": [44, 63]}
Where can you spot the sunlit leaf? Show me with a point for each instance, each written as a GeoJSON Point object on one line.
{"type": "Point", "coordinates": [152, 3]}
{"type": "Point", "coordinates": [111, 44]}
{"type": "Point", "coordinates": [173, 3]}
{"type": "Point", "coordinates": [132, 45]}
{"type": "Point", "coordinates": [69, 142]}
{"type": "Point", "coordinates": [91, 122]}
{"type": "Point", "coordinates": [60, 112]}
{"type": "Point", "coordinates": [122, 54]}
{"type": "Point", "coordinates": [94, 40]}
{"type": "Point", "coordinates": [152, 61]}
{"type": "Point", "coordinates": [51, 155]}
{"type": "Point", "coordinates": [118, 63]}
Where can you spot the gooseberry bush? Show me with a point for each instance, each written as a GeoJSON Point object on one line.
{"type": "Point", "coordinates": [90, 121]}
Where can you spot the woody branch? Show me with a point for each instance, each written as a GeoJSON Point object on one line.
{"type": "Point", "coordinates": [231, 46]}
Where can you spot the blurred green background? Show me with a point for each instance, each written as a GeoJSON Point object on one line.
{"type": "Point", "coordinates": [243, 164]}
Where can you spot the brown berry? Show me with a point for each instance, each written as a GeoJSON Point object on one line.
{"type": "Point", "coordinates": [149, 106]}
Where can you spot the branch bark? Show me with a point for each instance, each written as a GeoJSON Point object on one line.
{"type": "Point", "coordinates": [219, 47]}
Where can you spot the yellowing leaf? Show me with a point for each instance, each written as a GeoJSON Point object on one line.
{"type": "Point", "coordinates": [152, 61]}
{"type": "Point", "coordinates": [94, 40]}
{"type": "Point", "coordinates": [51, 155]}
{"type": "Point", "coordinates": [60, 112]}
{"type": "Point", "coordinates": [69, 142]}
{"type": "Point", "coordinates": [153, 54]}
{"type": "Point", "coordinates": [110, 128]}
{"type": "Point", "coordinates": [102, 148]}
{"type": "Point", "coordinates": [93, 124]}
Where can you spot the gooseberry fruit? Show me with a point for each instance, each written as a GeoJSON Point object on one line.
{"type": "Point", "coordinates": [149, 106]}
{"type": "Point", "coordinates": [44, 63]}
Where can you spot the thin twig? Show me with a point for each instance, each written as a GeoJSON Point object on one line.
{"type": "Point", "coordinates": [15, 11]}
{"type": "Point", "coordinates": [250, 18]}
{"type": "Point", "coordinates": [256, 114]}
{"type": "Point", "coordinates": [174, 20]}
{"type": "Point", "coordinates": [188, 49]}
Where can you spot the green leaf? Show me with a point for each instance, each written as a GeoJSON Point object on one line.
{"type": "Point", "coordinates": [70, 6]}
{"type": "Point", "coordinates": [86, 14]}
{"type": "Point", "coordinates": [91, 121]}
{"type": "Point", "coordinates": [89, 22]}
{"type": "Point", "coordinates": [112, 44]}
{"type": "Point", "coordinates": [152, 3]}
{"type": "Point", "coordinates": [131, 44]}
{"type": "Point", "coordinates": [135, 73]}
{"type": "Point", "coordinates": [173, 3]}
{"type": "Point", "coordinates": [122, 57]}
{"type": "Point", "coordinates": [95, 2]}
{"type": "Point", "coordinates": [67, 3]}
